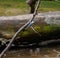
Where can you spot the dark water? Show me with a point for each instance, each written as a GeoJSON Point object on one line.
{"type": "Point", "coordinates": [44, 52]}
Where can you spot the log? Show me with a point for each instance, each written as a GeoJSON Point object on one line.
{"type": "Point", "coordinates": [10, 24]}
{"type": "Point", "coordinates": [17, 21]}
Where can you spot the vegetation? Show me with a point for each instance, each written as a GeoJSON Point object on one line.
{"type": "Point", "coordinates": [43, 31]}
{"type": "Point", "coordinates": [16, 7]}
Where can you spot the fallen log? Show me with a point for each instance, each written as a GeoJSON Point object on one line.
{"type": "Point", "coordinates": [9, 25]}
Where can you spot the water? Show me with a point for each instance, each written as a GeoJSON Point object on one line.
{"type": "Point", "coordinates": [45, 52]}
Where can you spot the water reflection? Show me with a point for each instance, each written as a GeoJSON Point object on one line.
{"type": "Point", "coordinates": [34, 53]}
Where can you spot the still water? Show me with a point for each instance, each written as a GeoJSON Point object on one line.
{"type": "Point", "coordinates": [44, 52]}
